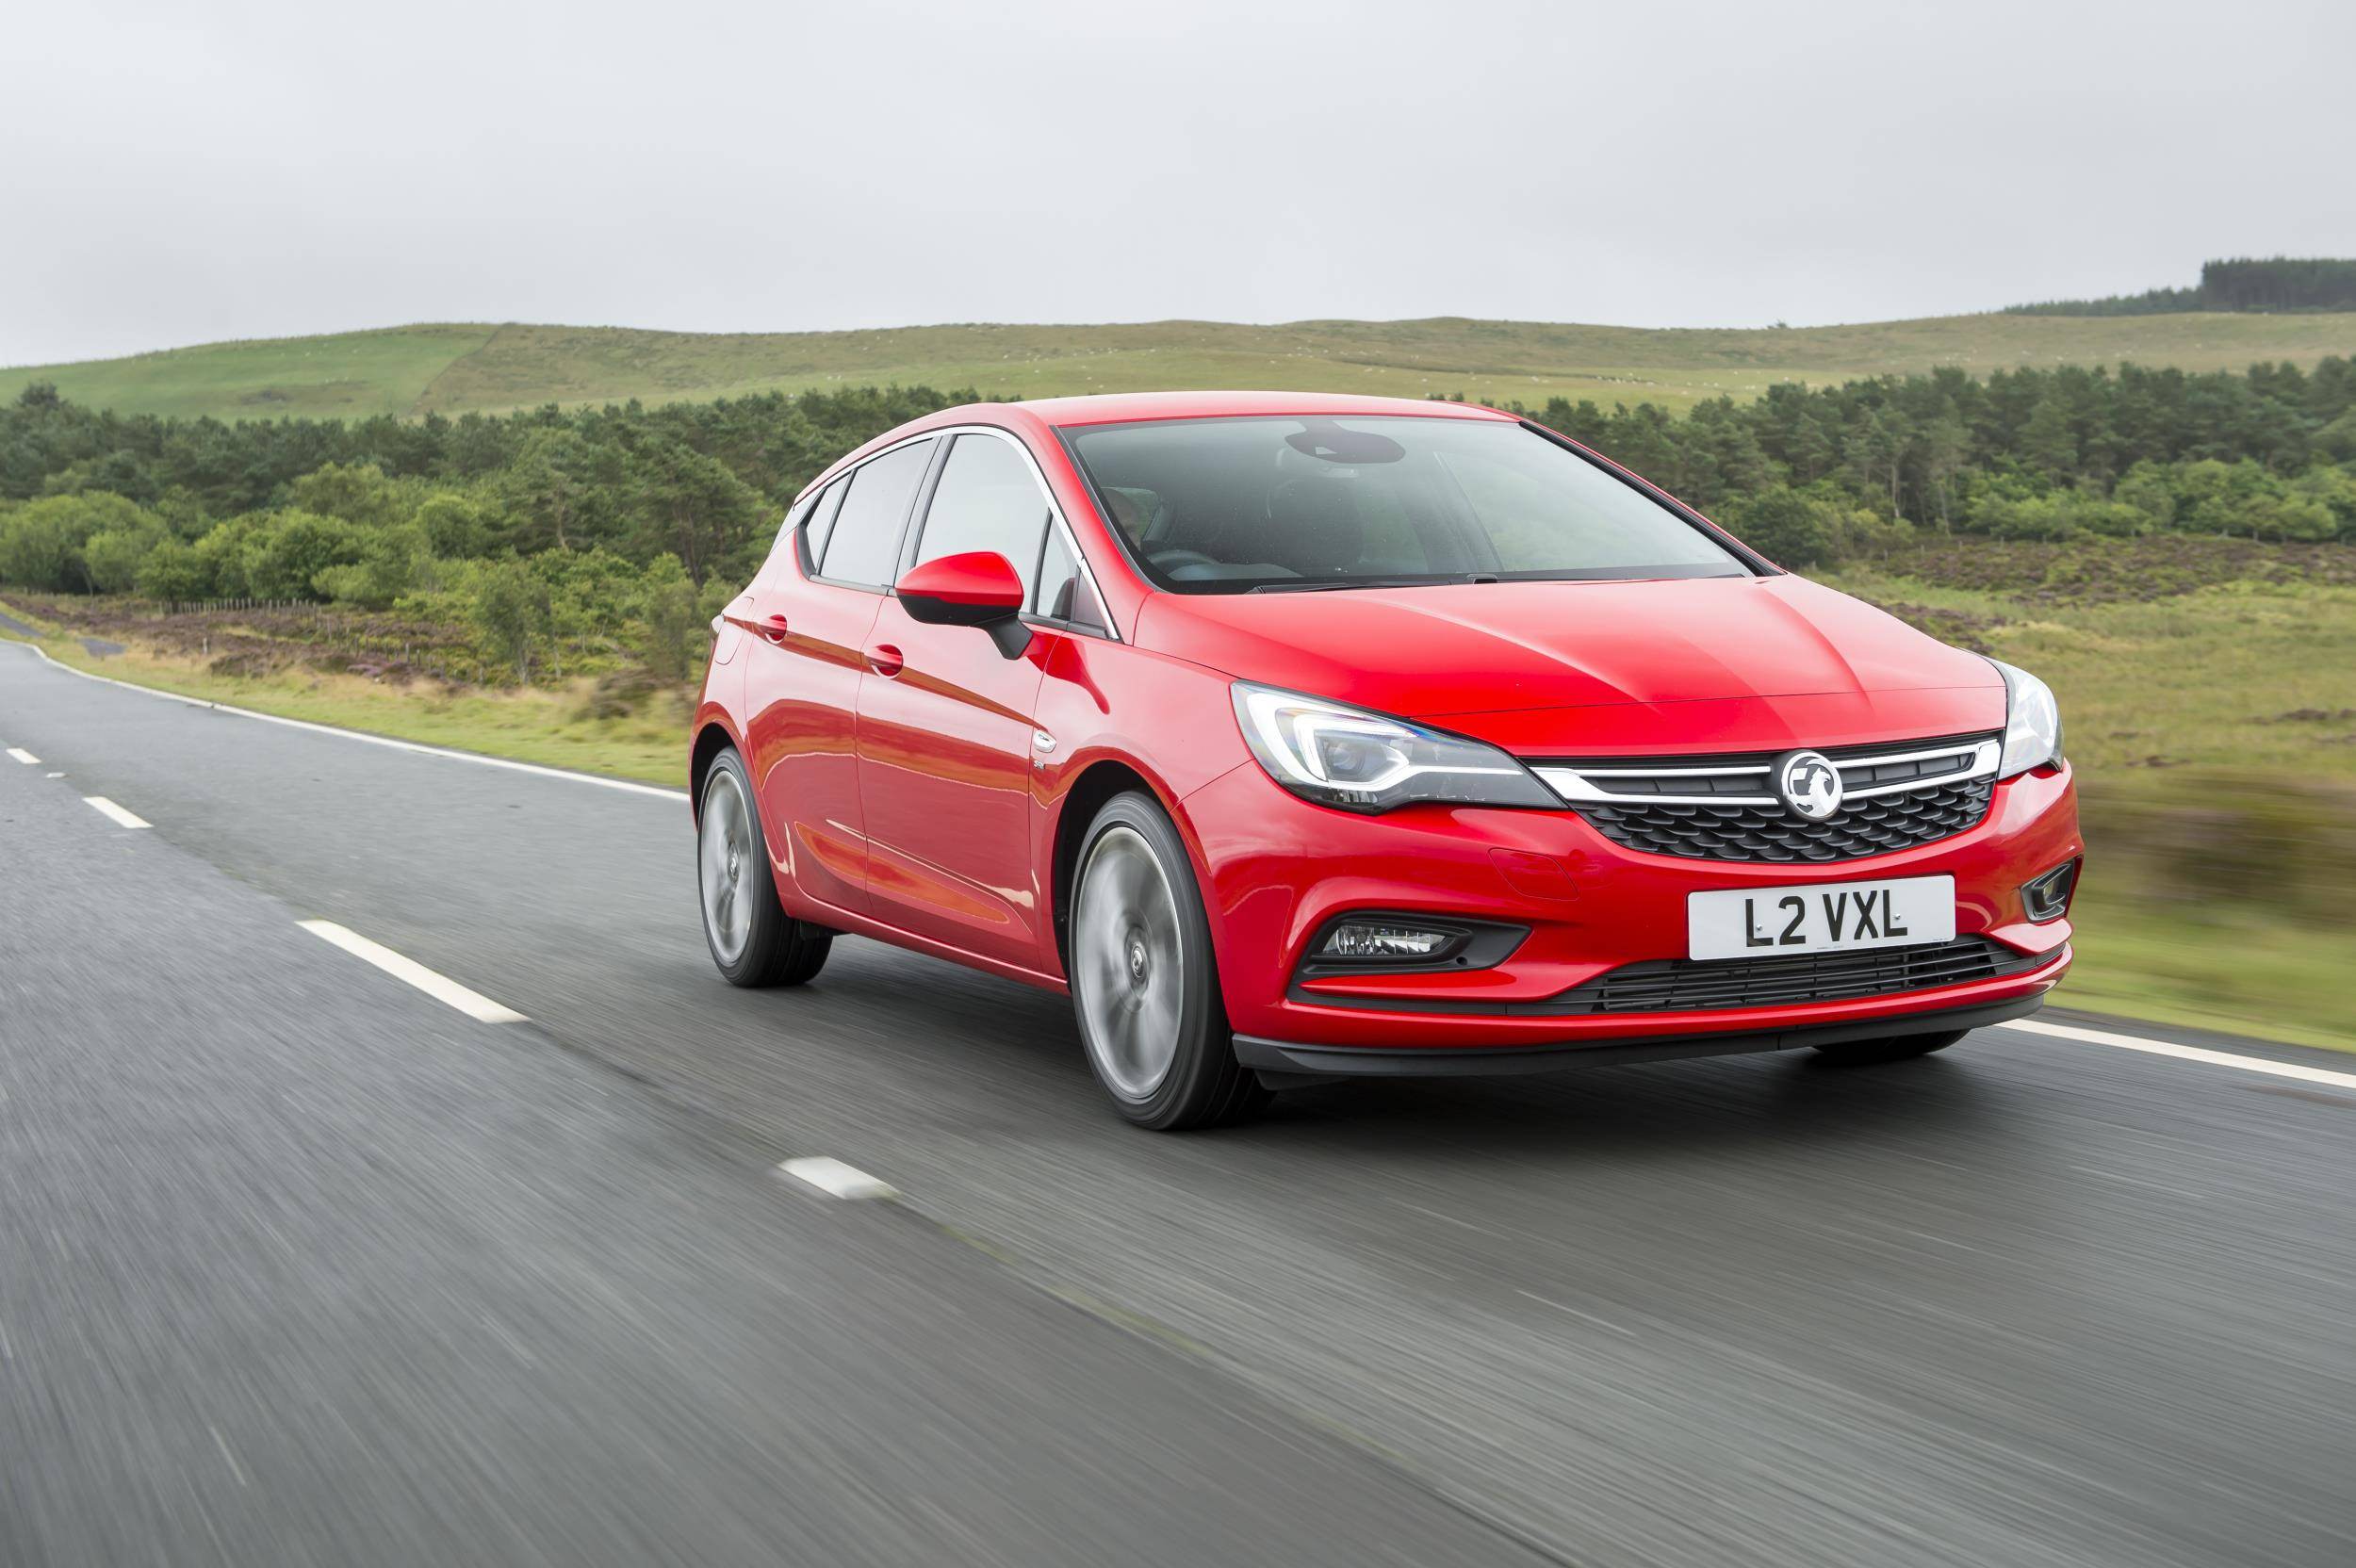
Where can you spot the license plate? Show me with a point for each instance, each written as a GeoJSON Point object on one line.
{"type": "Point", "coordinates": [1820, 917]}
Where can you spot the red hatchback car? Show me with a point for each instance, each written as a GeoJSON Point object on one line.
{"type": "Point", "coordinates": [1297, 735]}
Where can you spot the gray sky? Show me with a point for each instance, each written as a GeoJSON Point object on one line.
{"type": "Point", "coordinates": [176, 173]}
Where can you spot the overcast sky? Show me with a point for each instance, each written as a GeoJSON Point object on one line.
{"type": "Point", "coordinates": [181, 173]}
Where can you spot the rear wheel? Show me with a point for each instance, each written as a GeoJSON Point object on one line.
{"type": "Point", "coordinates": [753, 940]}
{"type": "Point", "coordinates": [1897, 1048]}
{"type": "Point", "coordinates": [1144, 982]}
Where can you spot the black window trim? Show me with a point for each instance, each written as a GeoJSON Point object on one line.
{"type": "Point", "coordinates": [1756, 563]}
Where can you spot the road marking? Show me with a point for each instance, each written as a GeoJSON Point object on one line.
{"type": "Point", "coordinates": [22, 756]}
{"type": "Point", "coordinates": [2188, 1053]}
{"type": "Point", "coordinates": [627, 786]}
{"type": "Point", "coordinates": [108, 809]}
{"type": "Point", "coordinates": [832, 1176]}
{"type": "Point", "coordinates": [440, 986]}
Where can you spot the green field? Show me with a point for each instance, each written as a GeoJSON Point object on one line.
{"type": "Point", "coordinates": [452, 368]}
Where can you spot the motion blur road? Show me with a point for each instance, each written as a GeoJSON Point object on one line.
{"type": "Point", "coordinates": [299, 1264]}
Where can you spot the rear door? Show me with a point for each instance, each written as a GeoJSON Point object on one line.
{"type": "Point", "coordinates": [945, 730]}
{"type": "Point", "coordinates": [808, 617]}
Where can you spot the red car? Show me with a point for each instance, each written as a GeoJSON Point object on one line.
{"type": "Point", "coordinates": [1297, 735]}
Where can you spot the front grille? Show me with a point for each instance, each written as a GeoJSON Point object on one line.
{"type": "Point", "coordinates": [1721, 809]}
{"type": "Point", "coordinates": [1873, 827]}
{"type": "Point", "coordinates": [1687, 984]}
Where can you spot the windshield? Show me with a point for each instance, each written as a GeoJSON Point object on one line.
{"type": "Point", "coordinates": [1272, 504]}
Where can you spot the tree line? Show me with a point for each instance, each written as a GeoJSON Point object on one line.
{"type": "Point", "coordinates": [2276, 284]}
{"type": "Point", "coordinates": [529, 524]}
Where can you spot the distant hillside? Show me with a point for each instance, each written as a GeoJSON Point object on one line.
{"type": "Point", "coordinates": [453, 368]}
{"type": "Point", "coordinates": [2278, 284]}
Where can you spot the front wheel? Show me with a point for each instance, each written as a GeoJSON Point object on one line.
{"type": "Point", "coordinates": [1898, 1048]}
{"type": "Point", "coordinates": [1144, 982]}
{"type": "Point", "coordinates": [753, 940]}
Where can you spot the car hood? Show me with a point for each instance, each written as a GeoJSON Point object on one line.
{"type": "Point", "coordinates": [1463, 653]}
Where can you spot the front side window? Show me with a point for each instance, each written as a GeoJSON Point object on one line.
{"type": "Point", "coordinates": [1225, 506]}
{"type": "Point", "coordinates": [986, 500]}
{"type": "Point", "coordinates": [865, 540]}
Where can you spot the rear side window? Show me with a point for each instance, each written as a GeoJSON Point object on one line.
{"type": "Point", "coordinates": [865, 539]}
{"type": "Point", "coordinates": [986, 500]}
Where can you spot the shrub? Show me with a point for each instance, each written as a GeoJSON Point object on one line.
{"type": "Point", "coordinates": [510, 607]}
{"type": "Point", "coordinates": [284, 557]}
{"type": "Point", "coordinates": [175, 573]}
{"type": "Point", "coordinates": [1785, 526]}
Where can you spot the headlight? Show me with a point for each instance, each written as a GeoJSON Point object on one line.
{"type": "Point", "coordinates": [1363, 761]}
{"type": "Point", "coordinates": [2032, 727]}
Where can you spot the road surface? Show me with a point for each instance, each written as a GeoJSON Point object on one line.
{"type": "Point", "coordinates": [299, 1262]}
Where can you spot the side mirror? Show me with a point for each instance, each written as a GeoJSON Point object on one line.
{"type": "Point", "coordinates": [979, 588]}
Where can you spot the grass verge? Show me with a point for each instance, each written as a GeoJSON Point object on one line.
{"type": "Point", "coordinates": [557, 727]}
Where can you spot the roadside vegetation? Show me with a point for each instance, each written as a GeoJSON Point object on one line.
{"type": "Point", "coordinates": [2175, 552]}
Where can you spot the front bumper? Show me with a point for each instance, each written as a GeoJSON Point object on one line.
{"type": "Point", "coordinates": [1277, 867]}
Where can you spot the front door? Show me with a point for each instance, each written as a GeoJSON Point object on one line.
{"type": "Point", "coordinates": [945, 732]}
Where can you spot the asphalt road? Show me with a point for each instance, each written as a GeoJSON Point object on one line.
{"type": "Point", "coordinates": [298, 1264]}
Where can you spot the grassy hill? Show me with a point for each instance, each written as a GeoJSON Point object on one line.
{"type": "Point", "coordinates": [452, 368]}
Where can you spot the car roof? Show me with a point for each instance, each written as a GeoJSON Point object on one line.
{"type": "Point", "coordinates": [1123, 407]}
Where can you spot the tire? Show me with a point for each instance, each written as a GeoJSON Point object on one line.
{"type": "Point", "coordinates": [1144, 980]}
{"type": "Point", "coordinates": [1898, 1048]}
{"type": "Point", "coordinates": [753, 940]}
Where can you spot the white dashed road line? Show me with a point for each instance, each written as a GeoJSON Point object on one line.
{"type": "Point", "coordinates": [439, 987]}
{"type": "Point", "coordinates": [120, 816]}
{"type": "Point", "coordinates": [831, 1176]}
{"type": "Point", "coordinates": [24, 757]}
{"type": "Point", "coordinates": [2188, 1053]}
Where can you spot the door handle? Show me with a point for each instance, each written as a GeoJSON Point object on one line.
{"type": "Point", "coordinates": [884, 658]}
{"type": "Point", "coordinates": [772, 629]}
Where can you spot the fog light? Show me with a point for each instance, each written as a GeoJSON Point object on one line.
{"type": "Point", "coordinates": [2048, 897]}
{"type": "Point", "coordinates": [1370, 940]}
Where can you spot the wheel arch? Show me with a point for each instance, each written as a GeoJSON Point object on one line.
{"type": "Point", "coordinates": [711, 740]}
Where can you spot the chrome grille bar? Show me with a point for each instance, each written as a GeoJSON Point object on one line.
{"type": "Point", "coordinates": [1586, 784]}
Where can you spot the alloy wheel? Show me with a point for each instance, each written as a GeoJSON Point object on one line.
{"type": "Point", "coordinates": [1129, 971]}
{"type": "Point", "coordinates": [725, 863]}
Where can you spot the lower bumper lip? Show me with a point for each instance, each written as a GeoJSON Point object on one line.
{"type": "Point", "coordinates": [1281, 1058]}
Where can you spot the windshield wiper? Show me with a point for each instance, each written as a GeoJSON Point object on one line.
{"type": "Point", "coordinates": [1320, 585]}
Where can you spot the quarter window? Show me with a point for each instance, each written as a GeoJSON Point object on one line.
{"type": "Point", "coordinates": [1064, 593]}
{"type": "Point", "coordinates": [821, 521]}
{"type": "Point", "coordinates": [986, 500]}
{"type": "Point", "coordinates": [865, 540]}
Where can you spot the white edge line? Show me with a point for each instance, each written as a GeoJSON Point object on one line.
{"type": "Point", "coordinates": [419, 746]}
{"type": "Point", "coordinates": [2189, 1052]}
{"type": "Point", "coordinates": [22, 756]}
{"type": "Point", "coordinates": [108, 809]}
{"type": "Point", "coordinates": [833, 1177]}
{"type": "Point", "coordinates": [440, 986]}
